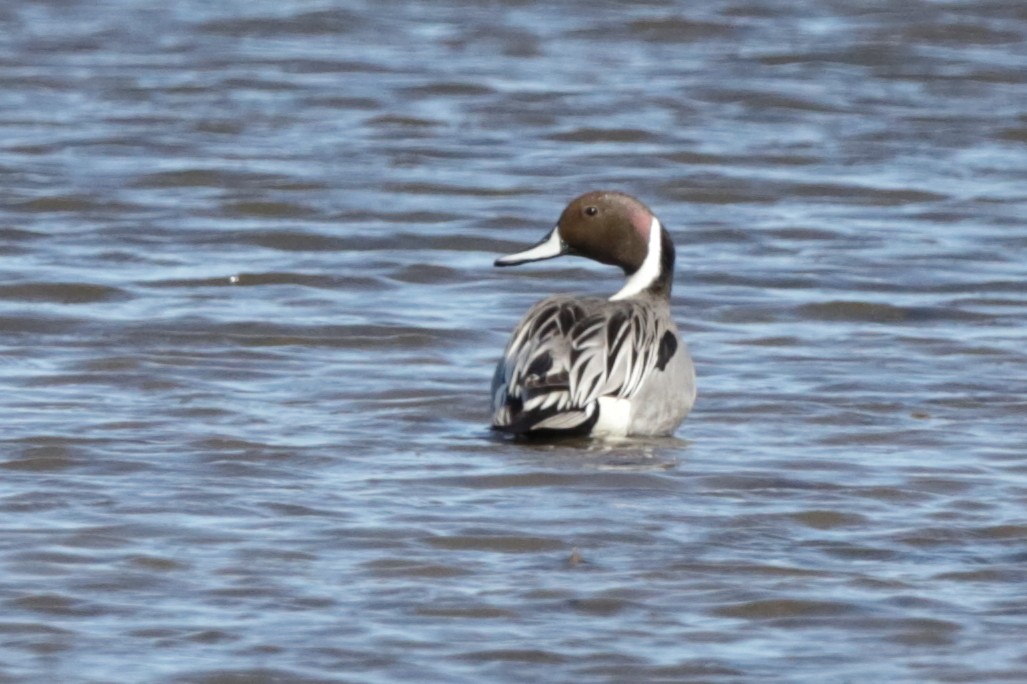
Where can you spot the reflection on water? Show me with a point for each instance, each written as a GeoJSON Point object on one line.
{"type": "Point", "coordinates": [249, 319]}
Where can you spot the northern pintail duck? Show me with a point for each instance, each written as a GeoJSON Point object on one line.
{"type": "Point", "coordinates": [591, 366]}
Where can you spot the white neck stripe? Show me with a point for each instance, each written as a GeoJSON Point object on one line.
{"type": "Point", "coordinates": [647, 274]}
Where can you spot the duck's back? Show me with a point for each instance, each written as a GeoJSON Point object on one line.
{"type": "Point", "coordinates": [583, 365]}
{"type": "Point", "coordinates": [531, 385]}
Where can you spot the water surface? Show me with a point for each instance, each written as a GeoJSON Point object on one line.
{"type": "Point", "coordinates": [249, 319]}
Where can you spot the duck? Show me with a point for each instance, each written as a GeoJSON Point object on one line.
{"type": "Point", "coordinates": [583, 366]}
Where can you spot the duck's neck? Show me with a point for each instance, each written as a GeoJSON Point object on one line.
{"type": "Point", "coordinates": [656, 274]}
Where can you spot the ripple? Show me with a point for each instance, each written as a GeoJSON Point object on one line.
{"type": "Point", "coordinates": [252, 675]}
{"type": "Point", "coordinates": [502, 543]}
{"type": "Point", "coordinates": [56, 605]}
{"type": "Point", "coordinates": [43, 459]}
{"type": "Point", "coordinates": [464, 612]}
{"type": "Point", "coordinates": [525, 656]}
{"type": "Point", "coordinates": [268, 209]}
{"type": "Point", "coordinates": [63, 293]}
{"type": "Point", "coordinates": [604, 135]}
{"type": "Point", "coordinates": [674, 29]}
{"type": "Point", "coordinates": [784, 610]}
{"type": "Point", "coordinates": [330, 22]}
{"type": "Point", "coordinates": [875, 312]}
{"type": "Point", "coordinates": [250, 321]}
{"type": "Point", "coordinates": [406, 568]}
{"type": "Point", "coordinates": [61, 203]}
{"type": "Point", "coordinates": [828, 520]}
{"type": "Point", "coordinates": [316, 281]}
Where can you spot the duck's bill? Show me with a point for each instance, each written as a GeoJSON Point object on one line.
{"type": "Point", "coordinates": [550, 246]}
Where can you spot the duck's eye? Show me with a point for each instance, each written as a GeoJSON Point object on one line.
{"type": "Point", "coordinates": [591, 211]}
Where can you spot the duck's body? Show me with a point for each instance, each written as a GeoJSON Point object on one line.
{"type": "Point", "coordinates": [600, 367]}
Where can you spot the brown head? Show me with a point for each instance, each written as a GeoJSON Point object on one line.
{"type": "Point", "coordinates": [612, 228]}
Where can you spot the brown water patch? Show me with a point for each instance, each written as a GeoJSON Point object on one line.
{"type": "Point", "coordinates": [268, 209]}
{"type": "Point", "coordinates": [55, 605]}
{"type": "Point", "coordinates": [604, 135]}
{"type": "Point", "coordinates": [402, 567]}
{"type": "Point", "coordinates": [465, 612]}
{"type": "Point", "coordinates": [875, 312]}
{"type": "Point", "coordinates": [525, 656]}
{"type": "Point", "coordinates": [828, 520]}
{"type": "Point", "coordinates": [53, 458]}
{"type": "Point", "coordinates": [496, 543]}
{"type": "Point", "coordinates": [63, 293]}
{"type": "Point", "coordinates": [787, 609]}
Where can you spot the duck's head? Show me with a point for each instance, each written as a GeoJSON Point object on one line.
{"type": "Point", "coordinates": [612, 228]}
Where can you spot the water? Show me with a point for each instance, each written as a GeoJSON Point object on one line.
{"type": "Point", "coordinates": [249, 319]}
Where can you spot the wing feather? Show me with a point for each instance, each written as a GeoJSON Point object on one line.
{"type": "Point", "coordinates": [567, 353]}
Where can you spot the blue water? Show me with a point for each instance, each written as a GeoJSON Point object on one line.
{"type": "Point", "coordinates": [248, 320]}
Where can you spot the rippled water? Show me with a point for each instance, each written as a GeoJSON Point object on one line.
{"type": "Point", "coordinates": [249, 319]}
